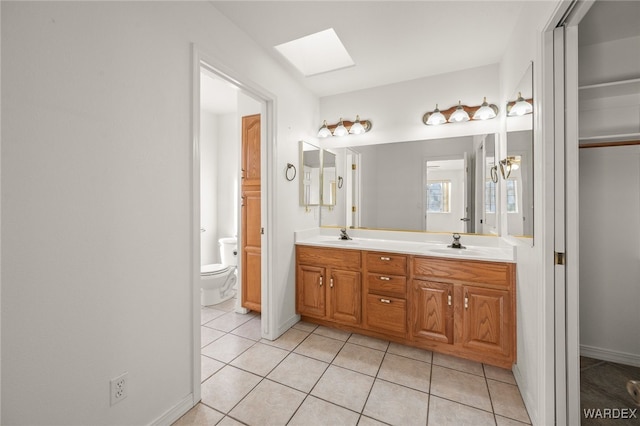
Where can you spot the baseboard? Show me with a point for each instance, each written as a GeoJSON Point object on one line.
{"type": "Point", "coordinates": [609, 355]}
{"type": "Point", "coordinates": [529, 403]}
{"type": "Point", "coordinates": [175, 413]}
{"type": "Point", "coordinates": [288, 324]}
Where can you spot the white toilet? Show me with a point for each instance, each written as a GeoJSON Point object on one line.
{"type": "Point", "coordinates": [218, 280]}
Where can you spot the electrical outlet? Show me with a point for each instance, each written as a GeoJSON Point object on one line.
{"type": "Point", "coordinates": [119, 388]}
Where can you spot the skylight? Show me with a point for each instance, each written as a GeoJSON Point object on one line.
{"type": "Point", "coordinates": [316, 53]}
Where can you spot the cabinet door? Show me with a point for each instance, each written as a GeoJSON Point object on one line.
{"type": "Point", "coordinates": [431, 311]}
{"type": "Point", "coordinates": [311, 291]}
{"type": "Point", "coordinates": [345, 296]}
{"type": "Point", "coordinates": [487, 320]}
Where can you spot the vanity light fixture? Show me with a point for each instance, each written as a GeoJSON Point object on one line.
{"type": "Point", "coordinates": [509, 164]}
{"type": "Point", "coordinates": [434, 118]}
{"type": "Point", "coordinates": [521, 106]}
{"type": "Point", "coordinates": [344, 128]}
{"type": "Point", "coordinates": [459, 115]}
{"type": "Point", "coordinates": [486, 111]}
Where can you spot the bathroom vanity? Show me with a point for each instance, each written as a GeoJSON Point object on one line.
{"type": "Point", "coordinates": [420, 294]}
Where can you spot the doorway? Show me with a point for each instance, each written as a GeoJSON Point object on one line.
{"type": "Point", "coordinates": [249, 100]}
{"type": "Point", "coordinates": [593, 89]}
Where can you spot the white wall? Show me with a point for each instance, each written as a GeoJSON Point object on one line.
{"type": "Point", "coordinates": [227, 171]}
{"type": "Point", "coordinates": [96, 171]}
{"type": "Point", "coordinates": [396, 110]}
{"type": "Point", "coordinates": [208, 186]}
{"type": "Point", "coordinates": [610, 253]}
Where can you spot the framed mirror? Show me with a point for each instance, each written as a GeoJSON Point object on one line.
{"type": "Point", "coordinates": [310, 174]}
{"type": "Point", "coordinates": [412, 186]}
{"type": "Point", "coordinates": [517, 167]}
{"type": "Point", "coordinates": [329, 179]}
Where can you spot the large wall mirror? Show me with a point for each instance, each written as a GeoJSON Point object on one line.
{"type": "Point", "coordinates": [438, 185]}
{"type": "Point", "coordinates": [517, 167]}
{"type": "Point", "coordinates": [310, 179]}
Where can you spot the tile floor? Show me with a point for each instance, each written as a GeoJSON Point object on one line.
{"type": "Point", "coordinates": [320, 376]}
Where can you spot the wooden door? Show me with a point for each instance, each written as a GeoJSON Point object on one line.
{"type": "Point", "coordinates": [345, 303]}
{"type": "Point", "coordinates": [251, 214]}
{"type": "Point", "coordinates": [486, 322]}
{"type": "Point", "coordinates": [431, 311]}
{"type": "Point", "coordinates": [311, 291]}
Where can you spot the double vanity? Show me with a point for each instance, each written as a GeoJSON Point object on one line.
{"type": "Point", "coordinates": [413, 289]}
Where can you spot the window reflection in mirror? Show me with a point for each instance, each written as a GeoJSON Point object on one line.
{"type": "Point", "coordinates": [518, 164]}
{"type": "Point", "coordinates": [387, 186]}
{"type": "Point", "coordinates": [310, 179]}
{"type": "Point", "coordinates": [329, 178]}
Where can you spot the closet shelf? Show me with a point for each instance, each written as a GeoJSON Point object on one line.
{"type": "Point", "coordinates": [611, 138]}
{"type": "Point", "coordinates": [609, 89]}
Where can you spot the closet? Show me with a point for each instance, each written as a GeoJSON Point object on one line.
{"type": "Point", "coordinates": [609, 211]}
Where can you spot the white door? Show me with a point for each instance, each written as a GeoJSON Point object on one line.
{"type": "Point", "coordinates": [566, 224]}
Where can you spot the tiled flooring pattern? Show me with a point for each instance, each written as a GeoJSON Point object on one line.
{"type": "Point", "coordinates": [603, 385]}
{"type": "Point", "coordinates": [320, 376]}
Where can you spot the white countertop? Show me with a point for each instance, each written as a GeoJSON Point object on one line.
{"type": "Point", "coordinates": [487, 248]}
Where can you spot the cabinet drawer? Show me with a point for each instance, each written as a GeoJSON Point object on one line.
{"type": "Point", "coordinates": [327, 257]}
{"type": "Point", "coordinates": [386, 263]}
{"type": "Point", "coordinates": [493, 273]}
{"type": "Point", "coordinates": [387, 314]}
{"type": "Point", "coordinates": [392, 285]}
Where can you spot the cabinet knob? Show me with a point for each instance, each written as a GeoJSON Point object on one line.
{"type": "Point", "coordinates": [385, 278]}
{"type": "Point", "coordinates": [449, 299]}
{"type": "Point", "coordinates": [385, 300]}
{"type": "Point", "coordinates": [331, 282]}
{"type": "Point", "coordinates": [466, 301]}
{"type": "Point", "coordinates": [384, 258]}
{"type": "Point", "coordinates": [320, 280]}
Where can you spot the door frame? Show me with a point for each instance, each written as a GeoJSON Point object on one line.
{"type": "Point", "coordinates": [200, 59]}
{"type": "Point", "coordinates": [564, 225]}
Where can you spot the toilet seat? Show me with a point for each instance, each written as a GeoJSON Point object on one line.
{"type": "Point", "coordinates": [213, 269]}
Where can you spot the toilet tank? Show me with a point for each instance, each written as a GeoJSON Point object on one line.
{"type": "Point", "coordinates": [229, 251]}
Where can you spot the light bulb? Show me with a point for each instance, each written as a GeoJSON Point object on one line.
{"type": "Point", "coordinates": [357, 128]}
{"type": "Point", "coordinates": [485, 112]}
{"type": "Point", "coordinates": [436, 117]}
{"type": "Point", "coordinates": [340, 130]}
{"type": "Point", "coordinates": [459, 115]}
{"type": "Point", "coordinates": [324, 131]}
{"type": "Point", "coordinates": [521, 107]}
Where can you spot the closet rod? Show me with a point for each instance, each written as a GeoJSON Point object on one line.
{"type": "Point", "coordinates": [608, 144]}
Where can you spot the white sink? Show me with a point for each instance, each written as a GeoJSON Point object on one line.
{"type": "Point", "coordinates": [458, 252]}
{"type": "Point", "coordinates": [341, 242]}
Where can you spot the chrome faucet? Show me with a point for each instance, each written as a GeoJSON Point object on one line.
{"type": "Point", "coordinates": [456, 242]}
{"type": "Point", "coordinates": [343, 234]}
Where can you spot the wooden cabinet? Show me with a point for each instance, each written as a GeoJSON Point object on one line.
{"type": "Point", "coordinates": [460, 307]}
{"type": "Point", "coordinates": [385, 305]}
{"type": "Point", "coordinates": [467, 305]}
{"type": "Point", "coordinates": [328, 284]}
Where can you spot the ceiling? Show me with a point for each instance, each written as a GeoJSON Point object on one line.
{"type": "Point", "coordinates": [390, 41]}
